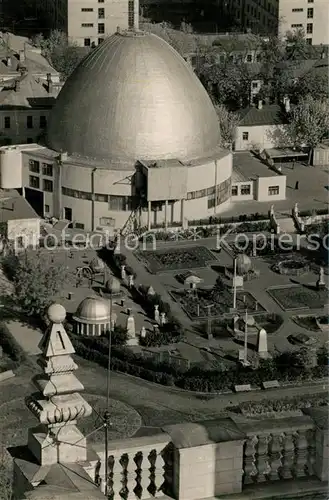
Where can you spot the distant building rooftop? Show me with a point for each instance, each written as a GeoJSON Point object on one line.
{"type": "Point", "coordinates": [27, 91]}
{"type": "Point", "coordinates": [14, 207]}
{"type": "Point", "coordinates": [269, 114]}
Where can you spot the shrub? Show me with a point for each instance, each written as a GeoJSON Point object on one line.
{"type": "Point", "coordinates": [10, 346]}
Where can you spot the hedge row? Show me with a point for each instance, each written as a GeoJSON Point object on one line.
{"type": "Point", "coordinates": [115, 261]}
{"type": "Point", "coordinates": [195, 379]}
{"type": "Point", "coordinates": [10, 346]}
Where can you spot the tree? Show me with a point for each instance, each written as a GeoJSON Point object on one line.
{"type": "Point", "coordinates": [314, 82]}
{"type": "Point", "coordinates": [62, 54]}
{"type": "Point", "coordinates": [119, 335]}
{"type": "Point", "coordinates": [228, 123]}
{"type": "Point", "coordinates": [297, 47]}
{"type": "Point", "coordinates": [309, 123]}
{"type": "Point", "coordinates": [37, 282]}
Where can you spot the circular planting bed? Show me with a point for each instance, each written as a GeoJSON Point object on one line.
{"type": "Point", "coordinates": [16, 419]}
{"type": "Point", "coordinates": [291, 267]}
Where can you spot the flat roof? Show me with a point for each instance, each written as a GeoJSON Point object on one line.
{"type": "Point", "coordinates": [285, 152]}
{"type": "Point", "coordinates": [246, 167]}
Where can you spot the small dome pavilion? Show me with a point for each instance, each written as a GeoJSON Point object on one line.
{"type": "Point", "coordinates": [93, 317]}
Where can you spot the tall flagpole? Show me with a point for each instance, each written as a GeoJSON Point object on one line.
{"type": "Point", "coordinates": [107, 411]}
{"type": "Point", "coordinates": [246, 338]}
{"type": "Point", "coordinates": [234, 285]}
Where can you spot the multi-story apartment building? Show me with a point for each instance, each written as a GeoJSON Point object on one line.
{"type": "Point", "coordinates": [87, 22]}
{"type": "Point", "coordinates": [312, 16]}
{"type": "Point", "coordinates": [259, 16]}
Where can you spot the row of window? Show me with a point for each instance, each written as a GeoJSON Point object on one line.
{"type": "Point", "coordinates": [223, 194]}
{"type": "Point", "coordinates": [101, 27]}
{"type": "Point", "coordinates": [46, 169]}
{"type": "Point", "coordinates": [101, 12]}
{"type": "Point", "coordinates": [119, 203]}
{"type": "Point", "coordinates": [309, 28]}
{"type": "Point", "coordinates": [245, 190]}
{"type": "Point", "coordinates": [47, 184]}
{"type": "Point", "coordinates": [87, 42]}
{"type": "Point", "coordinates": [310, 12]}
{"type": "Point", "coordinates": [29, 122]}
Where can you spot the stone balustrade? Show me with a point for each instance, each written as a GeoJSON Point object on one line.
{"type": "Point", "coordinates": [194, 461]}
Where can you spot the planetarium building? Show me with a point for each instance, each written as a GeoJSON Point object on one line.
{"type": "Point", "coordinates": [133, 140]}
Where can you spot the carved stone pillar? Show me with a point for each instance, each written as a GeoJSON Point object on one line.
{"type": "Point", "coordinates": [166, 214]}
{"type": "Point", "coordinates": [148, 215]}
{"type": "Point", "coordinates": [131, 475]}
{"type": "Point", "coordinates": [262, 461]}
{"type": "Point", "coordinates": [144, 476]}
{"type": "Point", "coordinates": [275, 457]}
{"type": "Point", "coordinates": [117, 479]}
{"type": "Point", "coordinates": [250, 469]}
{"type": "Point", "coordinates": [301, 454]}
{"type": "Point", "coordinates": [310, 466]}
{"type": "Point", "coordinates": [288, 455]}
{"type": "Point", "coordinates": [159, 474]}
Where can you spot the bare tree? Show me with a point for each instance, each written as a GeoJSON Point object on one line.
{"type": "Point", "coordinates": [228, 123]}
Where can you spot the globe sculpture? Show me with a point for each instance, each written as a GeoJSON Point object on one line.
{"type": "Point", "coordinates": [243, 264]}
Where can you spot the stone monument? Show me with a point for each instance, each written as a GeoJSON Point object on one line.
{"type": "Point", "coordinates": [262, 344]}
{"type": "Point", "coordinates": [131, 330]}
{"type": "Point", "coordinates": [123, 272]}
{"type": "Point", "coordinates": [143, 332]}
{"type": "Point", "coordinates": [130, 281]}
{"type": "Point", "coordinates": [156, 314]}
{"type": "Point", "coordinates": [163, 318]}
{"type": "Point", "coordinates": [320, 284]}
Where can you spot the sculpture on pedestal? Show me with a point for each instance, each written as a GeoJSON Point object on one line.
{"type": "Point", "coordinates": [320, 282]}
{"type": "Point", "coordinates": [131, 330]}
{"type": "Point", "coordinates": [156, 314]}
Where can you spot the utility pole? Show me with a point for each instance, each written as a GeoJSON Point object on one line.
{"type": "Point", "coordinates": [209, 321]}
{"type": "Point", "coordinates": [234, 284]}
{"type": "Point", "coordinates": [106, 416]}
{"type": "Point", "coordinates": [245, 358]}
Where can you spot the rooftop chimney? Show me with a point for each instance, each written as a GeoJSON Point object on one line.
{"type": "Point", "coordinates": [323, 54]}
{"type": "Point", "coordinates": [21, 54]}
{"type": "Point", "coordinates": [118, 30]}
{"type": "Point", "coordinates": [49, 83]}
{"type": "Point", "coordinates": [260, 104]}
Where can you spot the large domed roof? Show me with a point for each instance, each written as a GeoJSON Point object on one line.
{"type": "Point", "coordinates": [134, 97]}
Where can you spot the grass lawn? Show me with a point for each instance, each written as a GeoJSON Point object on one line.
{"type": "Point", "coordinates": [175, 259]}
{"type": "Point", "coordinates": [299, 297]}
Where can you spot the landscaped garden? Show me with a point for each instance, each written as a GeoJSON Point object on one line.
{"type": "Point", "coordinates": [291, 267]}
{"type": "Point", "coordinates": [252, 409]}
{"type": "Point", "coordinates": [196, 304]}
{"type": "Point", "coordinates": [299, 297]}
{"type": "Point", "coordinates": [175, 259]}
{"type": "Point", "coordinates": [307, 322]}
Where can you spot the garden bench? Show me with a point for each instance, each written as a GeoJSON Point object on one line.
{"type": "Point", "coordinates": [242, 388]}
{"type": "Point", "coordinates": [271, 384]}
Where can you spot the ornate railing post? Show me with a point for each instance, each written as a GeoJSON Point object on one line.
{"type": "Point", "coordinates": [250, 469]}
{"type": "Point", "coordinates": [131, 475]}
{"type": "Point", "coordinates": [262, 459]}
{"type": "Point", "coordinates": [301, 453]}
{"type": "Point", "coordinates": [275, 456]}
{"type": "Point", "coordinates": [287, 455]}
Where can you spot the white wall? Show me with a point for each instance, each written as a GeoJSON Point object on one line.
{"type": "Point", "coordinates": [263, 183]}
{"type": "Point", "coordinates": [320, 19]}
{"type": "Point", "coordinates": [262, 137]}
{"type": "Point", "coordinates": [243, 197]}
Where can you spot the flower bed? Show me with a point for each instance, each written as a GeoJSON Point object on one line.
{"type": "Point", "coordinates": [222, 302]}
{"type": "Point", "coordinates": [251, 409]}
{"type": "Point", "coordinates": [307, 322]}
{"type": "Point", "coordinates": [175, 259]}
{"type": "Point", "coordinates": [298, 297]}
{"type": "Point", "coordinates": [291, 267]}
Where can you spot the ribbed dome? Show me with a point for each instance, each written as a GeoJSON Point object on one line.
{"type": "Point", "coordinates": [134, 97]}
{"type": "Point", "coordinates": [93, 310]}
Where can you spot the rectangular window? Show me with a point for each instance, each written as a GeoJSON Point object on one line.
{"type": "Point", "coordinates": [234, 191]}
{"type": "Point", "coordinates": [296, 25]}
{"type": "Point", "coordinates": [249, 58]}
{"type": "Point", "coordinates": [34, 166]}
{"type": "Point", "coordinates": [101, 13]}
{"type": "Point", "coordinates": [100, 1]}
{"type": "Point", "coordinates": [34, 182]}
{"type": "Point", "coordinates": [101, 28]}
{"type": "Point", "coordinates": [309, 41]}
{"type": "Point", "coordinates": [120, 203]}
{"type": "Point", "coordinates": [245, 189]}
{"type": "Point", "coordinates": [48, 185]}
{"type": "Point", "coordinates": [131, 14]}
{"type": "Point", "coordinates": [310, 1]}
{"type": "Point", "coordinates": [87, 25]}
{"type": "Point", "coordinates": [47, 209]}
{"type": "Point", "coordinates": [255, 85]}
{"type": "Point", "coordinates": [297, 10]}
{"type": "Point", "coordinates": [47, 169]}
{"type": "Point", "coordinates": [87, 9]}
{"type": "Point", "coordinates": [102, 197]}
{"type": "Point", "coordinates": [107, 221]}
{"type": "Point", "coordinates": [309, 28]}
{"type": "Point", "coordinates": [29, 122]}
{"type": "Point", "coordinates": [43, 122]}
{"type": "Point", "coordinates": [79, 225]}
{"type": "Point", "coordinates": [310, 13]}
{"type": "Point", "coordinates": [87, 42]}
{"type": "Point", "coordinates": [273, 190]}
{"type": "Point", "coordinates": [245, 136]}
{"type": "Point", "coordinates": [100, 40]}
{"type": "Point", "coordinates": [7, 121]}
{"type": "Point", "coordinates": [29, 140]}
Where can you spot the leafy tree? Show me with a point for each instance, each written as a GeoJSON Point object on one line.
{"type": "Point", "coordinates": [297, 48]}
{"type": "Point", "coordinates": [309, 123]}
{"type": "Point", "coordinates": [37, 282]}
{"type": "Point", "coordinates": [60, 52]}
{"type": "Point", "coordinates": [228, 123]}
{"type": "Point", "coordinates": [119, 335]}
{"type": "Point", "coordinates": [313, 82]}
